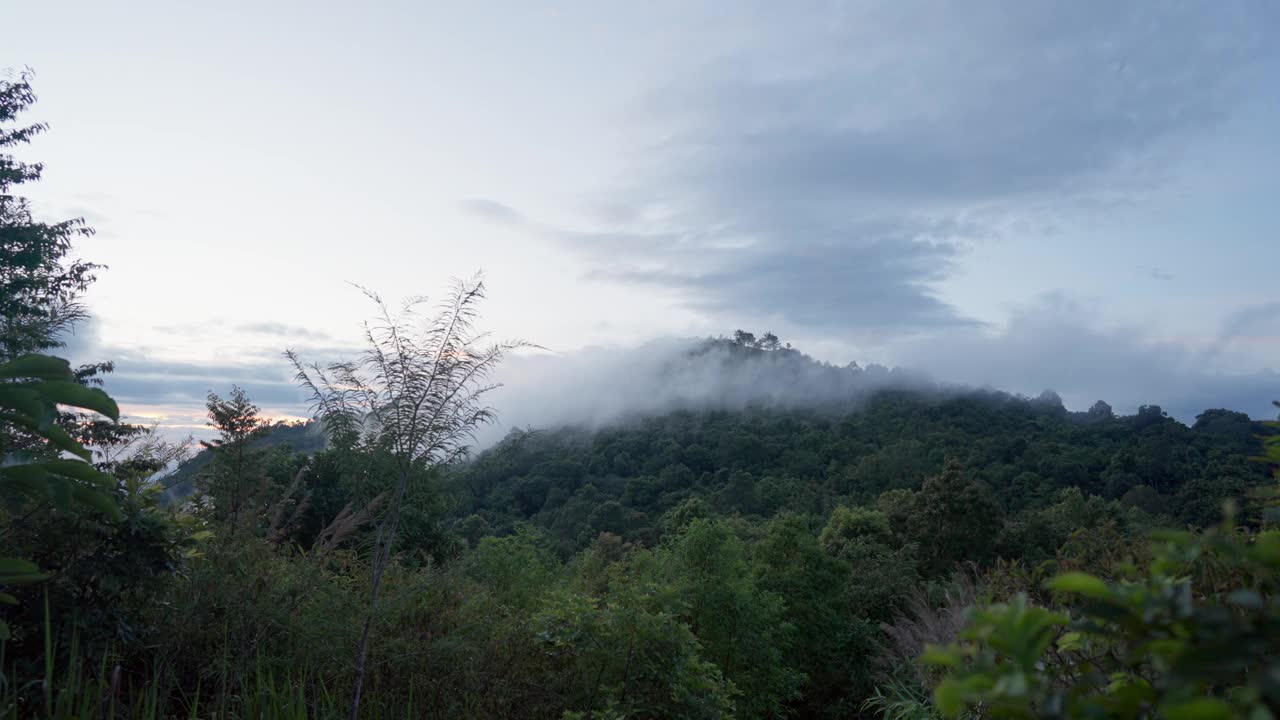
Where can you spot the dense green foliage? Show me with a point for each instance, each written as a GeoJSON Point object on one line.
{"type": "Point", "coordinates": [1024, 474]}
{"type": "Point", "coordinates": [763, 562]}
{"type": "Point", "coordinates": [697, 597]}
{"type": "Point", "coordinates": [1194, 635]}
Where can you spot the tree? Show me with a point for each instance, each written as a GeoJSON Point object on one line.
{"type": "Point", "coordinates": [1100, 412]}
{"type": "Point", "coordinates": [955, 519]}
{"type": "Point", "coordinates": [625, 658]}
{"type": "Point", "coordinates": [1049, 400]}
{"type": "Point", "coordinates": [791, 563]}
{"type": "Point", "coordinates": [850, 528]}
{"type": "Point", "coordinates": [1149, 415]}
{"type": "Point", "coordinates": [741, 625]}
{"type": "Point", "coordinates": [232, 478]}
{"type": "Point", "coordinates": [881, 572]}
{"type": "Point", "coordinates": [40, 280]}
{"type": "Point", "coordinates": [1270, 497]}
{"type": "Point", "coordinates": [415, 397]}
{"type": "Point", "coordinates": [40, 284]}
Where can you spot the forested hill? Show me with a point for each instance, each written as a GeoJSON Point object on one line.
{"type": "Point", "coordinates": [761, 429]}
{"type": "Point", "coordinates": [1026, 454]}
{"type": "Point", "coordinates": [297, 437]}
{"type": "Point", "coordinates": [825, 522]}
{"type": "Point", "coordinates": [601, 387]}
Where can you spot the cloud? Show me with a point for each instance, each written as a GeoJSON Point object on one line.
{"type": "Point", "coordinates": [815, 285]}
{"type": "Point", "coordinates": [82, 343]}
{"type": "Point", "coordinates": [1056, 344]}
{"type": "Point", "coordinates": [140, 380]}
{"type": "Point", "coordinates": [272, 328]}
{"type": "Point", "coordinates": [283, 330]}
{"type": "Point", "coordinates": [830, 168]}
{"type": "Point", "coordinates": [493, 211]}
{"type": "Point", "coordinates": [137, 380]}
{"type": "Point", "coordinates": [200, 329]}
{"type": "Point", "coordinates": [1156, 273]}
{"type": "Point", "coordinates": [1246, 331]}
{"type": "Point", "coordinates": [598, 386]}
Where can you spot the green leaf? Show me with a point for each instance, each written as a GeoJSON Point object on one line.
{"type": "Point", "coordinates": [1070, 641]}
{"type": "Point", "coordinates": [63, 482]}
{"type": "Point", "coordinates": [29, 476]}
{"type": "Point", "coordinates": [935, 655]}
{"type": "Point", "coordinates": [54, 434]}
{"type": "Point", "coordinates": [1199, 709]}
{"type": "Point", "coordinates": [77, 395]}
{"type": "Point", "coordinates": [1012, 684]}
{"type": "Point", "coordinates": [62, 440]}
{"type": "Point", "coordinates": [1167, 649]}
{"type": "Point", "coordinates": [84, 472]}
{"type": "Point", "coordinates": [15, 571]}
{"type": "Point", "coordinates": [1260, 712]}
{"type": "Point", "coordinates": [12, 566]}
{"type": "Point", "coordinates": [39, 367]}
{"type": "Point", "coordinates": [29, 480]}
{"type": "Point", "coordinates": [8, 599]}
{"type": "Point", "coordinates": [1079, 583]}
{"type": "Point", "coordinates": [37, 411]}
{"type": "Point", "coordinates": [97, 500]}
{"type": "Point", "coordinates": [60, 493]}
{"type": "Point", "coordinates": [949, 697]}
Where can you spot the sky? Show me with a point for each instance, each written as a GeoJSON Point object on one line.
{"type": "Point", "coordinates": [1026, 195]}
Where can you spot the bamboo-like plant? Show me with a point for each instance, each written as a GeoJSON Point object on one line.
{"type": "Point", "coordinates": [416, 393]}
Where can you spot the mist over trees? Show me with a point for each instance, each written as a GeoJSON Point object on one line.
{"type": "Point", "coordinates": [597, 388]}
{"type": "Point", "coordinates": [746, 533]}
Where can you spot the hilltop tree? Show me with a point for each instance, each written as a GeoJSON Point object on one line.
{"type": "Point", "coordinates": [1100, 412]}
{"type": "Point", "coordinates": [767, 342]}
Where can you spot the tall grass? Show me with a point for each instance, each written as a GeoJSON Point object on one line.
{"type": "Point", "coordinates": [73, 691]}
{"type": "Point", "coordinates": [900, 700]}
{"type": "Point", "coordinates": [74, 694]}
